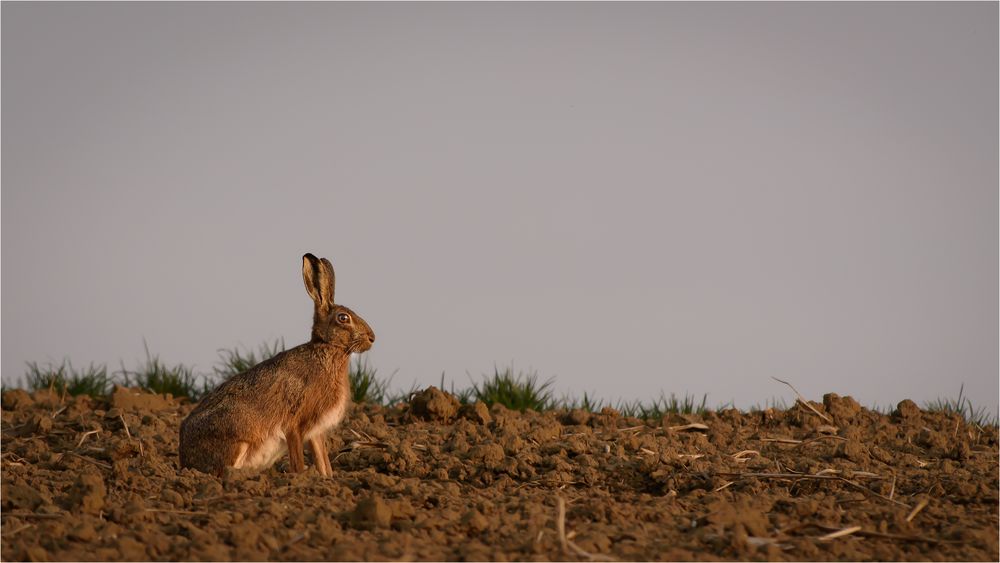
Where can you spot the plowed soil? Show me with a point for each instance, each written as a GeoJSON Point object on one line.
{"type": "Point", "coordinates": [99, 480]}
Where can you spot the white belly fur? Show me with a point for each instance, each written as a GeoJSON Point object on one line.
{"type": "Point", "coordinates": [329, 419]}
{"type": "Point", "coordinates": [268, 452]}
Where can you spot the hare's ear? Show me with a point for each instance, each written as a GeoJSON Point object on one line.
{"type": "Point", "coordinates": [318, 280]}
{"type": "Point", "coordinates": [331, 278]}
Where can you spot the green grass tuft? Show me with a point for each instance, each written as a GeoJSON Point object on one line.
{"type": "Point", "coordinates": [158, 377]}
{"type": "Point", "coordinates": [519, 392]}
{"type": "Point", "coordinates": [776, 403]}
{"type": "Point", "coordinates": [663, 406]}
{"type": "Point", "coordinates": [233, 361]}
{"type": "Point", "coordinates": [65, 379]}
{"type": "Point", "coordinates": [401, 396]}
{"type": "Point", "coordinates": [963, 407]}
{"type": "Point", "coordinates": [464, 396]}
{"type": "Point", "coordinates": [587, 403]}
{"type": "Point", "coordinates": [366, 387]}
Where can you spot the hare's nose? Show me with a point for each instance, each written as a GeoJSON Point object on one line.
{"type": "Point", "coordinates": [371, 338]}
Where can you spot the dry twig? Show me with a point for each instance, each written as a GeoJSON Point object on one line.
{"type": "Point", "coordinates": [723, 486]}
{"type": "Point", "coordinates": [30, 515]}
{"type": "Point", "coordinates": [818, 438]}
{"type": "Point", "coordinates": [567, 544]}
{"type": "Point", "coordinates": [870, 534]}
{"type": "Point", "coordinates": [142, 452]}
{"type": "Point", "coordinates": [745, 454]}
{"type": "Point", "coordinates": [781, 440]}
{"type": "Point", "coordinates": [916, 509]}
{"type": "Point", "coordinates": [172, 511]}
{"type": "Point", "coordinates": [20, 529]}
{"type": "Point", "coordinates": [871, 492]}
{"type": "Point", "coordinates": [803, 400]}
{"type": "Point", "coordinates": [688, 427]}
{"type": "Point", "coordinates": [85, 435]}
{"type": "Point", "coordinates": [127, 433]}
{"type": "Point", "coordinates": [91, 460]}
{"type": "Point", "coordinates": [821, 476]}
{"type": "Point", "coordinates": [561, 523]}
{"type": "Point", "coordinates": [840, 533]}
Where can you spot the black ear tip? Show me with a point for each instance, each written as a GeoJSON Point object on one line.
{"type": "Point", "coordinates": [308, 256]}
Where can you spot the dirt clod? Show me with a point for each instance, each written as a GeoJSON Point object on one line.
{"type": "Point", "coordinates": [126, 398]}
{"type": "Point", "coordinates": [908, 410]}
{"type": "Point", "coordinates": [475, 521]}
{"type": "Point", "coordinates": [83, 532]}
{"type": "Point", "coordinates": [843, 409]}
{"type": "Point", "coordinates": [477, 412]}
{"type": "Point", "coordinates": [87, 493]}
{"type": "Point", "coordinates": [16, 399]}
{"type": "Point", "coordinates": [21, 497]}
{"type": "Point", "coordinates": [434, 404]}
{"type": "Point", "coordinates": [371, 512]}
{"type": "Point", "coordinates": [576, 416]}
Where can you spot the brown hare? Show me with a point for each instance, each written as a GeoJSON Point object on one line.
{"type": "Point", "coordinates": [297, 396]}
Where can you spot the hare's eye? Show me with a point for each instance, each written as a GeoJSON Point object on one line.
{"type": "Point", "coordinates": [343, 318]}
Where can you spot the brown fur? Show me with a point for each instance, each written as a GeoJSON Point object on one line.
{"type": "Point", "coordinates": [299, 392]}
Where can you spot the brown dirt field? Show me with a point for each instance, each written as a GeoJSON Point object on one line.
{"type": "Point", "coordinates": [99, 480]}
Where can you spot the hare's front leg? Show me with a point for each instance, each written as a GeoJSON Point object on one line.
{"type": "Point", "coordinates": [318, 445]}
{"type": "Point", "coordinates": [296, 455]}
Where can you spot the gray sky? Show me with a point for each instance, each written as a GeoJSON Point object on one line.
{"type": "Point", "coordinates": [629, 197]}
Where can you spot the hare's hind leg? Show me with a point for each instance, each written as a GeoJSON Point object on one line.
{"type": "Point", "coordinates": [241, 455]}
{"type": "Point", "coordinates": [230, 456]}
{"type": "Point", "coordinates": [213, 457]}
{"type": "Point", "coordinates": [318, 446]}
